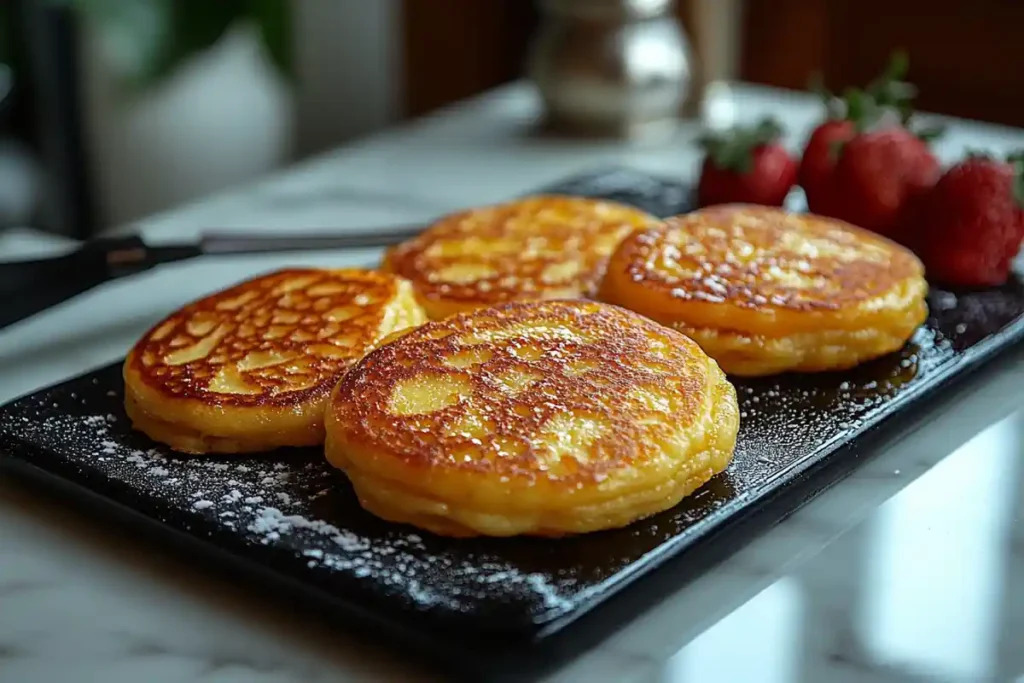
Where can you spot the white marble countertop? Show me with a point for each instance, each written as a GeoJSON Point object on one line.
{"type": "Point", "coordinates": [912, 569]}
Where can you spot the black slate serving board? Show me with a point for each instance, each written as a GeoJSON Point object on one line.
{"type": "Point", "coordinates": [499, 604]}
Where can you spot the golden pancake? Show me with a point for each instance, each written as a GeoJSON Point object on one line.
{"type": "Point", "coordinates": [545, 247]}
{"type": "Point", "coordinates": [250, 368]}
{"type": "Point", "coordinates": [764, 291]}
{"type": "Point", "coordinates": [531, 418]}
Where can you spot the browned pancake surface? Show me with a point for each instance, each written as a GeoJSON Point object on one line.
{"type": "Point", "coordinates": [565, 391]}
{"type": "Point", "coordinates": [765, 291]}
{"type": "Point", "coordinates": [535, 248]}
{"type": "Point", "coordinates": [275, 340]}
{"type": "Point", "coordinates": [757, 257]}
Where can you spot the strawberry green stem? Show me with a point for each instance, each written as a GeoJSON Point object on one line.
{"type": "Point", "coordinates": [733, 149]}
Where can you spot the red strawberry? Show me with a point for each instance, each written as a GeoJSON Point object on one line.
{"type": "Point", "coordinates": [972, 222]}
{"type": "Point", "coordinates": [879, 177]}
{"type": "Point", "coordinates": [746, 165]}
{"type": "Point", "coordinates": [867, 201]}
{"type": "Point", "coordinates": [819, 160]}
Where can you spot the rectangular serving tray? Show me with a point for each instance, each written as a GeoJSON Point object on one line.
{"type": "Point", "coordinates": [512, 606]}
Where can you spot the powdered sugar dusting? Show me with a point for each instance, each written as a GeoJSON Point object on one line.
{"type": "Point", "coordinates": [309, 526]}
{"type": "Point", "coordinates": [291, 511]}
{"type": "Point", "coordinates": [293, 504]}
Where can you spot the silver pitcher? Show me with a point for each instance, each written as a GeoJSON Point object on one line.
{"type": "Point", "coordinates": [618, 68]}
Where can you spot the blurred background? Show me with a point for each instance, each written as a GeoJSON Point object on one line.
{"type": "Point", "coordinates": [116, 109]}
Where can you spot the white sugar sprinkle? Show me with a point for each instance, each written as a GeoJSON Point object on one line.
{"type": "Point", "coordinates": [237, 496]}
{"type": "Point", "coordinates": [271, 523]}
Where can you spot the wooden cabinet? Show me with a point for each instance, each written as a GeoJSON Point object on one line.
{"type": "Point", "coordinates": [457, 48]}
{"type": "Point", "coordinates": [966, 56]}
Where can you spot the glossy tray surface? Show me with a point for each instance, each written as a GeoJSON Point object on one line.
{"type": "Point", "coordinates": [290, 512]}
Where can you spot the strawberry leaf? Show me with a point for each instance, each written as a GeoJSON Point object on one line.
{"type": "Point", "coordinates": [930, 133]}
{"type": "Point", "coordinates": [899, 64]}
{"type": "Point", "coordinates": [732, 149]}
{"type": "Point", "coordinates": [1016, 162]}
{"type": "Point", "coordinates": [888, 92]}
{"type": "Point", "coordinates": [835, 149]}
{"type": "Point", "coordinates": [856, 103]}
{"type": "Point", "coordinates": [975, 153]}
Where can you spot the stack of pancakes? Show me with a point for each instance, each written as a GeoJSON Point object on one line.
{"type": "Point", "coordinates": [532, 402]}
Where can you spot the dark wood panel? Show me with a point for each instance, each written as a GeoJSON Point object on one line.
{"type": "Point", "coordinates": [965, 56]}
{"type": "Point", "coordinates": [457, 48]}
{"type": "Point", "coordinates": [784, 41]}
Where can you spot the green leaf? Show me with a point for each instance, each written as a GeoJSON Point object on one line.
{"type": "Point", "coordinates": [133, 33]}
{"type": "Point", "coordinates": [768, 129]}
{"type": "Point", "coordinates": [835, 149]}
{"type": "Point", "coordinates": [899, 64]}
{"type": "Point", "coordinates": [889, 91]}
{"type": "Point", "coordinates": [975, 153]}
{"type": "Point", "coordinates": [930, 133]}
{"type": "Point", "coordinates": [861, 108]}
{"type": "Point", "coordinates": [273, 18]}
{"type": "Point", "coordinates": [6, 50]}
{"type": "Point", "coordinates": [732, 149]}
{"type": "Point", "coordinates": [148, 39]}
{"type": "Point", "coordinates": [196, 26]}
{"type": "Point", "coordinates": [1016, 162]}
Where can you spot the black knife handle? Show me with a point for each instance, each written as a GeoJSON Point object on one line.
{"type": "Point", "coordinates": [29, 287]}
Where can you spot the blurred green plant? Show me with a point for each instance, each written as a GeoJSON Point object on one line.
{"type": "Point", "coordinates": [149, 39]}
{"type": "Point", "coordinates": [5, 34]}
